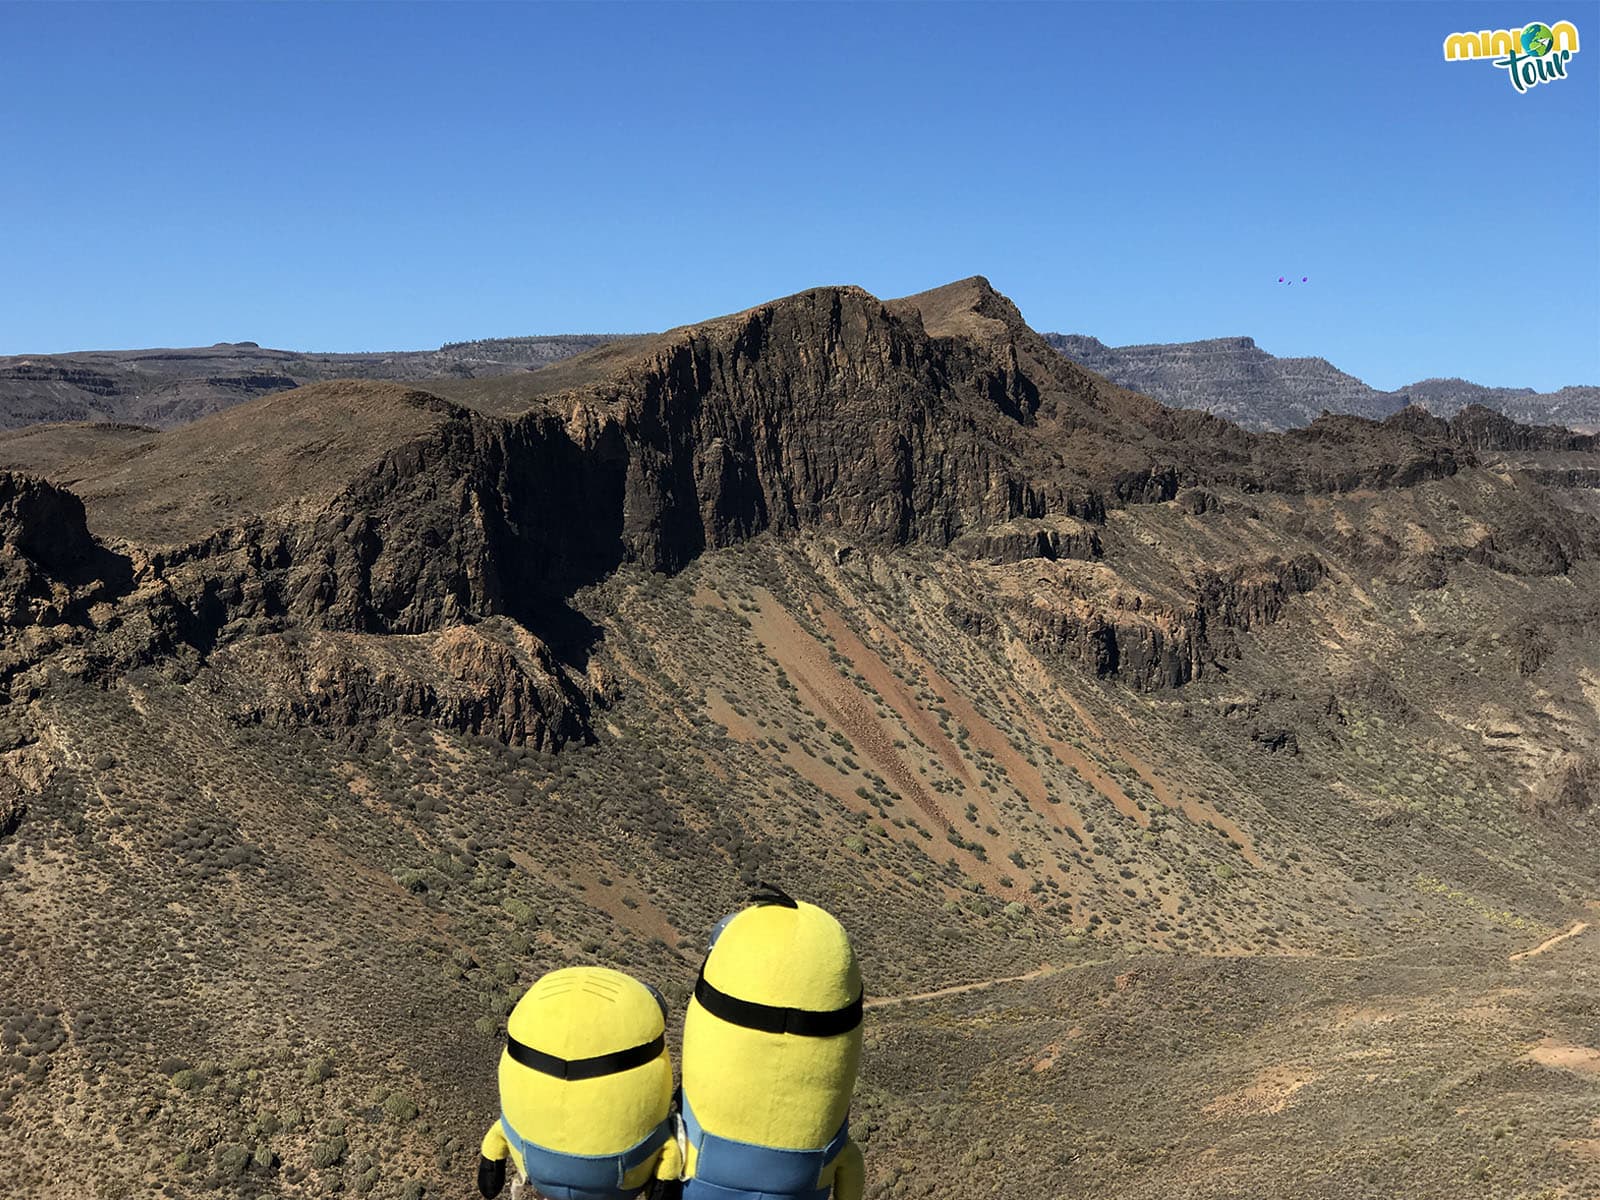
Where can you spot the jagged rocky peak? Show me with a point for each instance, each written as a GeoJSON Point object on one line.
{"type": "Point", "coordinates": [43, 523]}
{"type": "Point", "coordinates": [50, 565]}
{"type": "Point", "coordinates": [966, 308]}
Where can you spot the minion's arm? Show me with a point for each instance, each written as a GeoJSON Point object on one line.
{"type": "Point", "coordinates": [849, 1173]}
{"type": "Point", "coordinates": [670, 1165]}
{"type": "Point", "coordinates": [492, 1157]}
{"type": "Point", "coordinates": [495, 1147]}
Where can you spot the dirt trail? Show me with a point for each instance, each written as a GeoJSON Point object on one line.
{"type": "Point", "coordinates": [1550, 943]}
{"type": "Point", "coordinates": [957, 989]}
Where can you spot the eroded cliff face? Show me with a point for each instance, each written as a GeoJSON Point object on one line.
{"type": "Point", "coordinates": [934, 420]}
{"type": "Point", "coordinates": [495, 680]}
{"type": "Point", "coordinates": [1101, 624]}
{"type": "Point", "coordinates": [825, 409]}
{"type": "Point", "coordinates": [50, 566]}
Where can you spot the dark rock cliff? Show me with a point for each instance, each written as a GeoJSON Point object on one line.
{"type": "Point", "coordinates": [1150, 645]}
{"type": "Point", "coordinates": [928, 419]}
{"type": "Point", "coordinates": [50, 566]}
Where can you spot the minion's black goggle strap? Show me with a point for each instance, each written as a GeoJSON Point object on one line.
{"type": "Point", "coordinates": [585, 1068]}
{"type": "Point", "coordinates": [770, 1018]}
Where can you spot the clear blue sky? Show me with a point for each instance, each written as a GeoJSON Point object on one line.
{"type": "Point", "coordinates": [349, 177]}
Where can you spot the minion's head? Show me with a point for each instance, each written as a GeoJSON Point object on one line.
{"type": "Point", "coordinates": [782, 953]}
{"type": "Point", "coordinates": [772, 1037]}
{"type": "Point", "coordinates": [585, 1068]}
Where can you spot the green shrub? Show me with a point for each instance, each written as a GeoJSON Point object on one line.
{"type": "Point", "coordinates": [319, 1069]}
{"type": "Point", "coordinates": [232, 1160]}
{"type": "Point", "coordinates": [329, 1153]}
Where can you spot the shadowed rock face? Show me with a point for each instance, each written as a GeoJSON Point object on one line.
{"type": "Point", "coordinates": [44, 523]}
{"type": "Point", "coordinates": [49, 564]}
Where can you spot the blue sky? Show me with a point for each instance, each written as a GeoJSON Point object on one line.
{"type": "Point", "coordinates": [351, 177]}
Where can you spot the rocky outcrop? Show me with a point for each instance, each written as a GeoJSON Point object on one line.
{"type": "Point", "coordinates": [1148, 650]}
{"type": "Point", "coordinates": [250, 383]}
{"type": "Point", "coordinates": [50, 566]}
{"type": "Point", "coordinates": [1485, 429]}
{"type": "Point", "coordinates": [493, 679]}
{"type": "Point", "coordinates": [1564, 477]}
{"type": "Point", "coordinates": [1198, 501]}
{"type": "Point", "coordinates": [1572, 787]}
{"type": "Point", "coordinates": [1020, 540]}
{"type": "Point", "coordinates": [1533, 537]}
{"type": "Point", "coordinates": [1346, 454]}
{"type": "Point", "coordinates": [1251, 594]}
{"type": "Point", "coordinates": [1151, 645]}
{"type": "Point", "coordinates": [1276, 740]}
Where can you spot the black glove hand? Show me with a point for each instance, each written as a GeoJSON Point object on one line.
{"type": "Point", "coordinates": [491, 1177]}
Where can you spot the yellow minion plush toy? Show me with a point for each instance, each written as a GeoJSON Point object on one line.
{"type": "Point", "coordinates": [771, 1044]}
{"type": "Point", "coordinates": [585, 1090]}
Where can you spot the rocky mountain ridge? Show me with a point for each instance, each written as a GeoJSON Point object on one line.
{"type": "Point", "coordinates": [163, 388]}
{"type": "Point", "coordinates": [1235, 378]}
{"type": "Point", "coordinates": [1231, 377]}
{"type": "Point", "coordinates": [728, 429]}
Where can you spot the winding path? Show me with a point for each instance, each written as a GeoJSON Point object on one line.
{"type": "Point", "coordinates": [1045, 969]}
{"type": "Point", "coordinates": [1551, 943]}
{"type": "Point", "coordinates": [981, 985]}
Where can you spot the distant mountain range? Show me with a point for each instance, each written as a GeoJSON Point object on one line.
{"type": "Point", "coordinates": [1235, 378]}
{"type": "Point", "coordinates": [1232, 377]}
{"type": "Point", "coordinates": [166, 388]}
